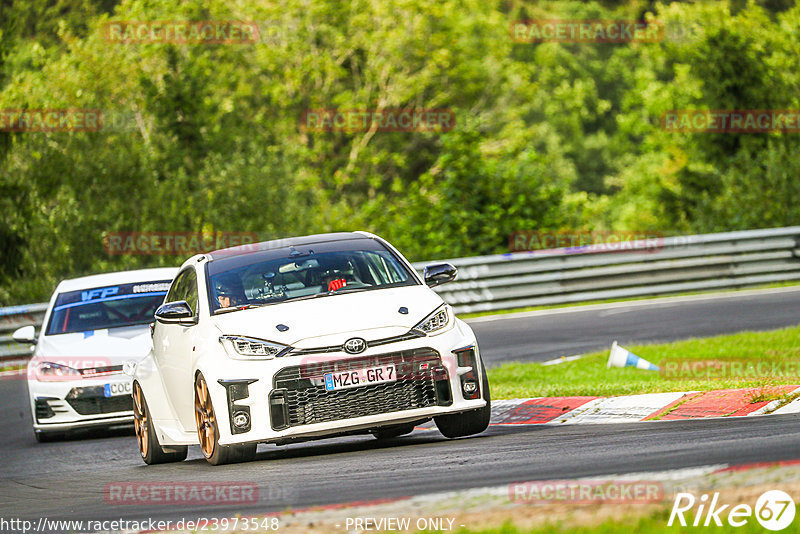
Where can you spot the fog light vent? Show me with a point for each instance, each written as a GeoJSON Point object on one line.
{"type": "Point", "coordinates": [237, 390]}
{"type": "Point", "coordinates": [241, 419]}
{"type": "Point", "coordinates": [469, 380]}
{"type": "Point", "coordinates": [43, 409]}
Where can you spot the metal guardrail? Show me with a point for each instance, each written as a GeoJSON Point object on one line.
{"type": "Point", "coordinates": [563, 276]}
{"type": "Point", "coordinates": [668, 265]}
{"type": "Point", "coordinates": [12, 318]}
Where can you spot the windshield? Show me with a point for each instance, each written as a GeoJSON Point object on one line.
{"type": "Point", "coordinates": [106, 307]}
{"type": "Point", "coordinates": [305, 273]}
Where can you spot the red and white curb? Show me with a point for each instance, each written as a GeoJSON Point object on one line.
{"type": "Point", "coordinates": [647, 407]}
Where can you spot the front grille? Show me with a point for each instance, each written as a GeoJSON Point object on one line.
{"type": "Point", "coordinates": [43, 409]}
{"type": "Point", "coordinates": [300, 398]}
{"type": "Point", "coordinates": [91, 401]}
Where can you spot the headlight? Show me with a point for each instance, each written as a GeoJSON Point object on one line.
{"type": "Point", "coordinates": [51, 372]}
{"type": "Point", "coordinates": [252, 347]}
{"type": "Point", "coordinates": [435, 322]}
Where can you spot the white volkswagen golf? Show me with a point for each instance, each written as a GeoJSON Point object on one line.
{"type": "Point", "coordinates": [299, 339]}
{"type": "Point", "coordinates": [92, 327]}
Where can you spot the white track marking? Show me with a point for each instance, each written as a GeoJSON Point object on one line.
{"type": "Point", "coordinates": [626, 409]}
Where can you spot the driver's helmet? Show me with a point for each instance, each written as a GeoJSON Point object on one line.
{"type": "Point", "coordinates": [228, 289]}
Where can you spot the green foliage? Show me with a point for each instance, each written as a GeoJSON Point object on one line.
{"type": "Point", "coordinates": [590, 376]}
{"type": "Point", "coordinates": [548, 136]}
{"type": "Point", "coordinates": [705, 182]}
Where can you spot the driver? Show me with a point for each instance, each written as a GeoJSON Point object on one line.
{"type": "Point", "coordinates": [229, 293]}
{"type": "Point", "coordinates": [226, 299]}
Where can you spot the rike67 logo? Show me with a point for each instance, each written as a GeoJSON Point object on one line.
{"type": "Point", "coordinates": [774, 510]}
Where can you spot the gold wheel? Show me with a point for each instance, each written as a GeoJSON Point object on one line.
{"type": "Point", "coordinates": [204, 417]}
{"type": "Point", "coordinates": [140, 422]}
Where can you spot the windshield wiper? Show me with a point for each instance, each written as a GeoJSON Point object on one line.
{"type": "Point", "coordinates": [328, 293]}
{"type": "Point", "coordinates": [348, 289]}
{"type": "Point", "coordinates": [306, 297]}
{"type": "Point", "coordinates": [237, 308]}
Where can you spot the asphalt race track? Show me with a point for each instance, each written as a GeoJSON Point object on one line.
{"type": "Point", "coordinates": [67, 480]}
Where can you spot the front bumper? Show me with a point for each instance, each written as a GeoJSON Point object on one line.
{"type": "Point", "coordinates": [80, 403]}
{"type": "Point", "coordinates": [429, 384]}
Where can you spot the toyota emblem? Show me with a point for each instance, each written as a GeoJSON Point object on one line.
{"type": "Point", "coordinates": [355, 345]}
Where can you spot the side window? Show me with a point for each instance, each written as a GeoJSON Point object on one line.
{"type": "Point", "coordinates": [190, 290]}
{"type": "Point", "coordinates": [175, 293]}
{"type": "Point", "coordinates": [184, 288]}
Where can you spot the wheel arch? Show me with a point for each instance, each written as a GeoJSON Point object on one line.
{"type": "Point", "coordinates": [219, 399]}
{"type": "Point", "coordinates": [162, 415]}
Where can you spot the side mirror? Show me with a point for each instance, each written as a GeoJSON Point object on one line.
{"type": "Point", "coordinates": [439, 273]}
{"type": "Point", "coordinates": [26, 334]}
{"type": "Point", "coordinates": [175, 313]}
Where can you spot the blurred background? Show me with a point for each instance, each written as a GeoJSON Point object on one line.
{"type": "Point", "coordinates": [548, 135]}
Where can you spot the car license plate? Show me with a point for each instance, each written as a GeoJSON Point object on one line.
{"type": "Point", "coordinates": [117, 388]}
{"type": "Point", "coordinates": [360, 377]}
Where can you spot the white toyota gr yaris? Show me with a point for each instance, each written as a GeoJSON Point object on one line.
{"type": "Point", "coordinates": [299, 339]}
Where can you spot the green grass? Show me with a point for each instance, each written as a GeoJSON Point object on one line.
{"type": "Point", "coordinates": [589, 375]}
{"type": "Point", "coordinates": [625, 299]}
{"type": "Point", "coordinates": [654, 523]}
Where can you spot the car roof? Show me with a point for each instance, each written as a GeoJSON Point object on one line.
{"type": "Point", "coordinates": [286, 243]}
{"type": "Point", "coordinates": [120, 277]}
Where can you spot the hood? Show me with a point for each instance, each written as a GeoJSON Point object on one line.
{"type": "Point", "coordinates": [331, 320]}
{"type": "Point", "coordinates": [96, 348]}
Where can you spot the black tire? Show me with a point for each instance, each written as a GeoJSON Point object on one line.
{"type": "Point", "coordinates": [43, 436]}
{"type": "Point", "coordinates": [467, 423]}
{"type": "Point", "coordinates": [218, 454]}
{"type": "Point", "coordinates": [151, 451]}
{"type": "Point", "coordinates": [393, 431]}
{"type": "Point", "coordinates": [233, 454]}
